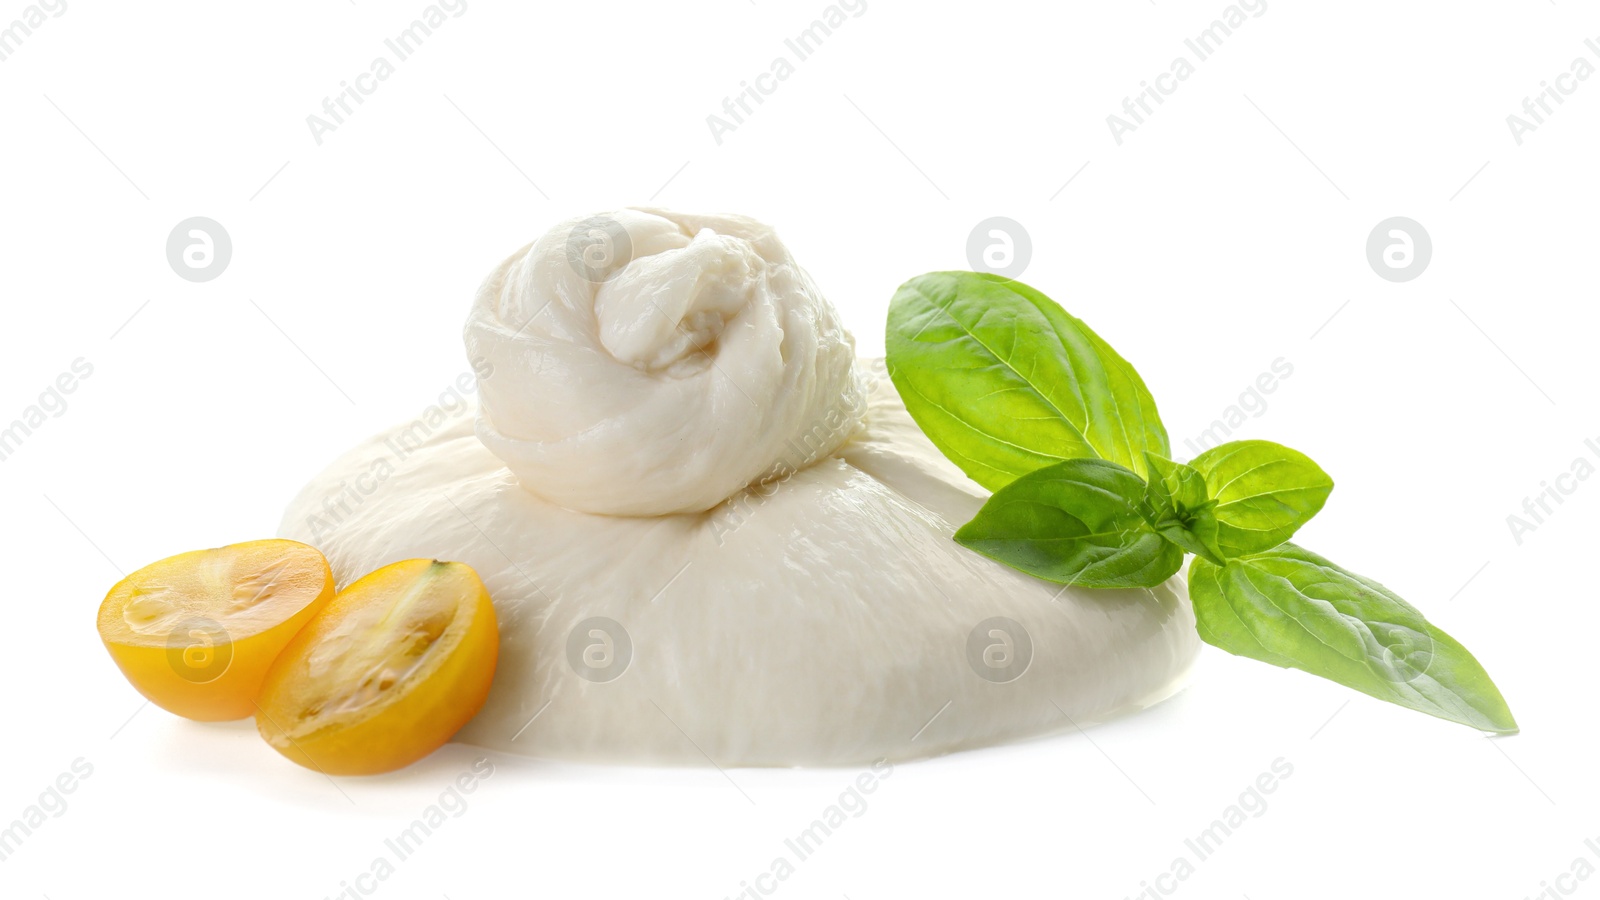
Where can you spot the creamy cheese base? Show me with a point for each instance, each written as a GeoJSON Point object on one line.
{"type": "Point", "coordinates": [814, 612]}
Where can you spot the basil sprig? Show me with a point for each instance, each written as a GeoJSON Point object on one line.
{"type": "Point", "coordinates": [1076, 522]}
{"type": "Point", "coordinates": [1179, 507]}
{"type": "Point", "coordinates": [1032, 404]}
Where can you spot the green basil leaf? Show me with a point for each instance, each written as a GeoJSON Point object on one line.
{"type": "Point", "coordinates": [1185, 538]}
{"type": "Point", "coordinates": [1175, 487]}
{"type": "Point", "coordinates": [1264, 493]}
{"type": "Point", "coordinates": [1076, 522]}
{"type": "Point", "coordinates": [1004, 381]}
{"type": "Point", "coordinates": [1292, 608]}
{"type": "Point", "coordinates": [1179, 507]}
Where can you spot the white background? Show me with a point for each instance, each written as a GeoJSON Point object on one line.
{"type": "Point", "coordinates": [1225, 233]}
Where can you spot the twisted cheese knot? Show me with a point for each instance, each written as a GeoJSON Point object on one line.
{"type": "Point", "coordinates": [644, 363]}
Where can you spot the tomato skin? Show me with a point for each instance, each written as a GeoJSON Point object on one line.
{"type": "Point", "coordinates": [422, 713]}
{"type": "Point", "coordinates": [174, 671]}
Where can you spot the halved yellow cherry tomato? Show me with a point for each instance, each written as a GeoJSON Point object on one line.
{"type": "Point", "coordinates": [389, 670]}
{"type": "Point", "coordinates": [197, 632]}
